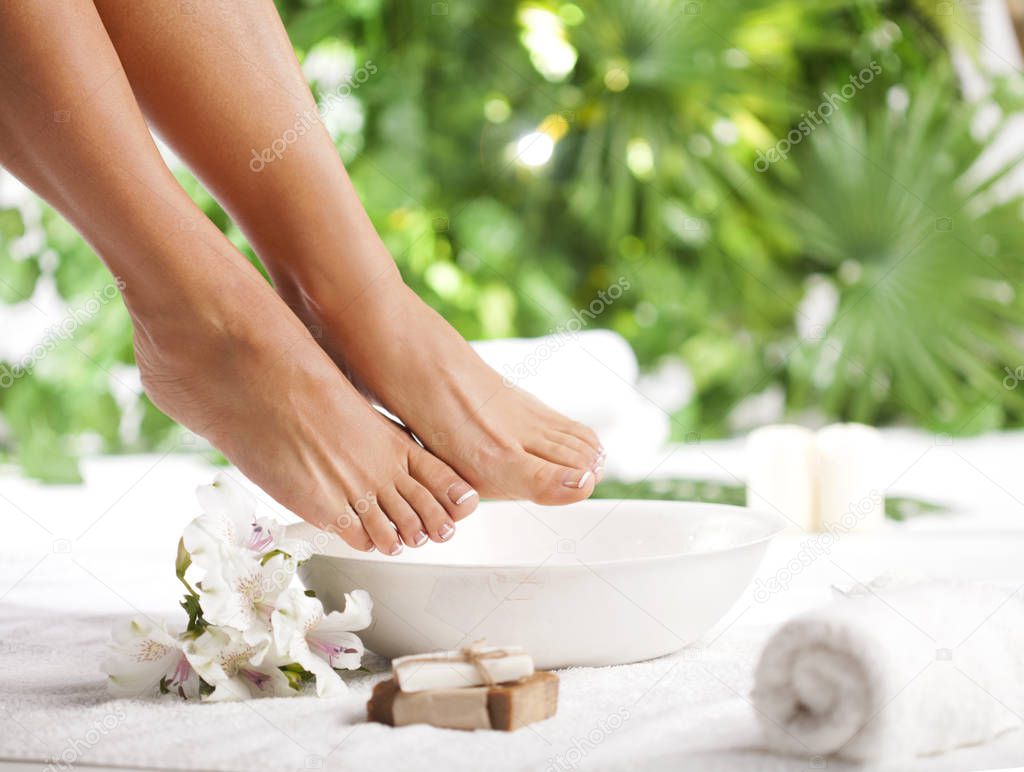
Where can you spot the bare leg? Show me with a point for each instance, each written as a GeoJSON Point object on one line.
{"type": "Point", "coordinates": [223, 81]}
{"type": "Point", "coordinates": [218, 350]}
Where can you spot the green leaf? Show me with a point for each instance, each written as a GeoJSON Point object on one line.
{"type": "Point", "coordinates": [17, 277]}
{"type": "Point", "coordinates": [196, 623]}
{"type": "Point", "coordinates": [12, 225]}
{"type": "Point", "coordinates": [182, 561]}
{"type": "Point", "coordinates": [44, 456]}
{"type": "Point", "coordinates": [271, 555]}
{"type": "Point", "coordinates": [297, 676]}
{"type": "Point", "coordinates": [716, 492]}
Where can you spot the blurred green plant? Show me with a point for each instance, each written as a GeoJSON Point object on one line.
{"type": "Point", "coordinates": [925, 251]}
{"type": "Point", "coordinates": [718, 492]}
{"type": "Point", "coordinates": [518, 157]}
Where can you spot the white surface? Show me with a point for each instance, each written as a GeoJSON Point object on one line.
{"type": "Point", "coordinates": [106, 550]}
{"type": "Point", "coordinates": [600, 582]}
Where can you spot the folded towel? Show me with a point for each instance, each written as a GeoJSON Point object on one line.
{"type": "Point", "coordinates": [583, 375]}
{"type": "Point", "coordinates": [895, 672]}
{"type": "Point", "coordinates": [590, 376]}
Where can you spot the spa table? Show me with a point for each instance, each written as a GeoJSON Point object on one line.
{"type": "Point", "coordinates": [74, 558]}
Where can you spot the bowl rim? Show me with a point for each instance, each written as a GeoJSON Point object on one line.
{"type": "Point", "coordinates": [774, 523]}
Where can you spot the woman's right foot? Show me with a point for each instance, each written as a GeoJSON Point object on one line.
{"type": "Point", "coordinates": [237, 367]}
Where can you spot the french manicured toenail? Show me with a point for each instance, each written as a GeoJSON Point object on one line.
{"type": "Point", "coordinates": [446, 531]}
{"type": "Point", "coordinates": [421, 539]}
{"type": "Point", "coordinates": [371, 548]}
{"type": "Point", "coordinates": [396, 548]}
{"type": "Point", "coordinates": [460, 492]}
{"type": "Point", "coordinates": [599, 473]}
{"type": "Point", "coordinates": [574, 480]}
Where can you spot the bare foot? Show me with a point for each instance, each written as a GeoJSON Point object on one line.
{"type": "Point", "coordinates": [503, 441]}
{"type": "Point", "coordinates": [240, 369]}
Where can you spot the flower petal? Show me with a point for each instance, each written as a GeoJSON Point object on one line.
{"type": "Point", "coordinates": [328, 683]}
{"type": "Point", "coordinates": [142, 653]}
{"type": "Point", "coordinates": [358, 614]}
{"type": "Point", "coordinates": [294, 613]}
{"type": "Point", "coordinates": [226, 498]}
{"type": "Point", "coordinates": [342, 650]}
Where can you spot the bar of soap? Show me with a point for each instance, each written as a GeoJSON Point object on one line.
{"type": "Point", "coordinates": [444, 670]}
{"type": "Point", "coordinates": [506, 706]}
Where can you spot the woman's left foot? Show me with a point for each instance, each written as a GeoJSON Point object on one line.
{"type": "Point", "coordinates": [504, 442]}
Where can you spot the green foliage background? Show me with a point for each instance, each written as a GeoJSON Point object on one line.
{"type": "Point", "coordinates": [659, 112]}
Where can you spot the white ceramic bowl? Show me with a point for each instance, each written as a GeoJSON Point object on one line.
{"type": "Point", "coordinates": [602, 582]}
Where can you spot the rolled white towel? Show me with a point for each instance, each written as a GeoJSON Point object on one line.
{"type": "Point", "coordinates": [895, 673]}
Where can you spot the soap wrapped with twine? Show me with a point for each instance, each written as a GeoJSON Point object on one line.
{"type": "Point", "coordinates": [476, 687]}
{"type": "Point", "coordinates": [473, 665]}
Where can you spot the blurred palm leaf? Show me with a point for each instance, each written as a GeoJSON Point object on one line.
{"type": "Point", "coordinates": [903, 209]}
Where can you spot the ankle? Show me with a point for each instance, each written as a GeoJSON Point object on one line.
{"type": "Point", "coordinates": [209, 318]}
{"type": "Point", "coordinates": [336, 288]}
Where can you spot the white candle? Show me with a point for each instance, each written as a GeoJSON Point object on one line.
{"type": "Point", "coordinates": [851, 489]}
{"type": "Point", "coordinates": [781, 473]}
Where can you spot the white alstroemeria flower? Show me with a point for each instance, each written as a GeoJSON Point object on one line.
{"type": "Point", "coordinates": [235, 668]}
{"type": "Point", "coordinates": [321, 642]}
{"type": "Point", "coordinates": [229, 521]}
{"type": "Point", "coordinates": [240, 591]}
{"type": "Point", "coordinates": [144, 654]}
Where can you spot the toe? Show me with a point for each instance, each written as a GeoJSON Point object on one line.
{"type": "Point", "coordinates": [436, 521]}
{"type": "Point", "coordinates": [404, 517]}
{"type": "Point", "coordinates": [556, 484]}
{"type": "Point", "coordinates": [349, 527]}
{"type": "Point", "coordinates": [455, 495]}
{"type": "Point", "coordinates": [378, 526]}
{"type": "Point", "coordinates": [565, 451]}
{"type": "Point", "coordinates": [581, 432]}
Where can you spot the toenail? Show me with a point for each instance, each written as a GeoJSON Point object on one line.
{"type": "Point", "coordinates": [420, 540]}
{"type": "Point", "coordinates": [599, 474]}
{"type": "Point", "coordinates": [460, 492]}
{"type": "Point", "coordinates": [396, 548]}
{"type": "Point", "coordinates": [446, 531]}
{"type": "Point", "coordinates": [571, 480]}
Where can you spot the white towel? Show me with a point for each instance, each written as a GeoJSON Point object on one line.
{"type": "Point", "coordinates": [590, 376]}
{"type": "Point", "coordinates": [894, 673]}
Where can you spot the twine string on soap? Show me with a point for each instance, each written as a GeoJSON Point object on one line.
{"type": "Point", "coordinates": [471, 655]}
